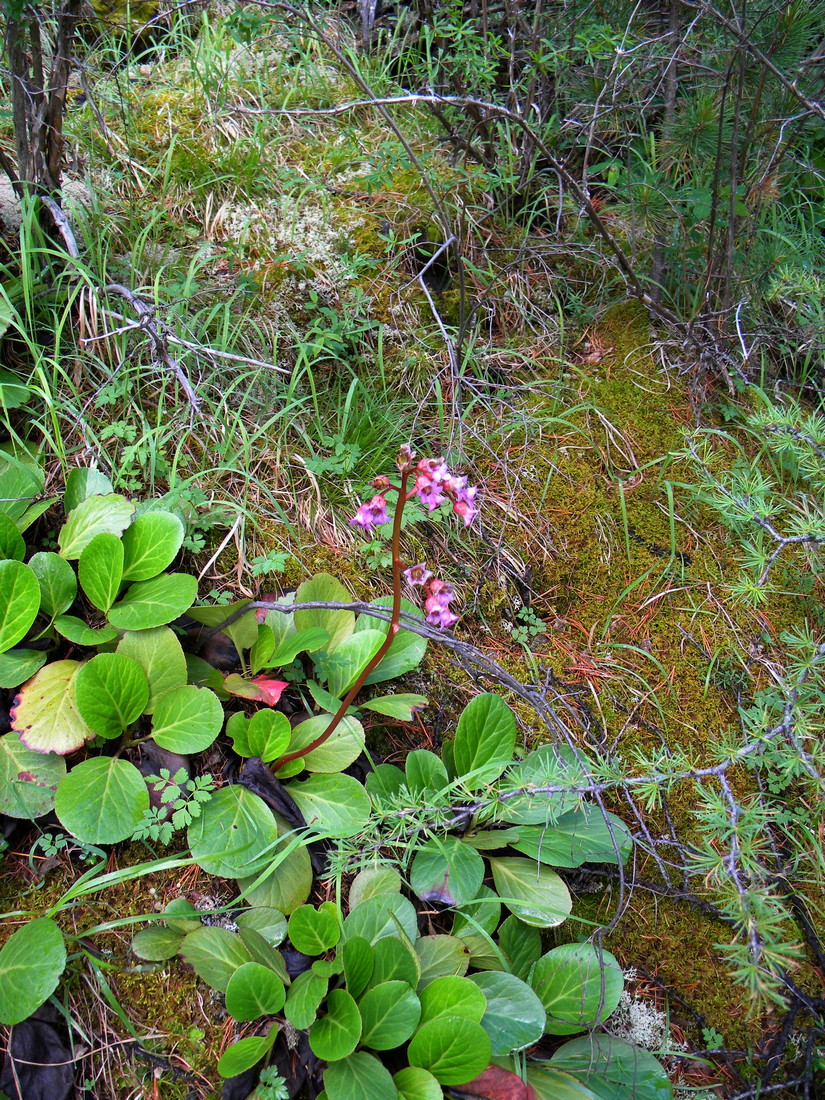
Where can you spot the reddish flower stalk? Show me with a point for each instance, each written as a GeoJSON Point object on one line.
{"type": "Point", "coordinates": [433, 485]}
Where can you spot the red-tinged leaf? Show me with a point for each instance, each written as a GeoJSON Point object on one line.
{"type": "Point", "coordinates": [261, 689]}
{"type": "Point", "coordinates": [495, 1083]}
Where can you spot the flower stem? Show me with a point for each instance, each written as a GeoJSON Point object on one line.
{"type": "Point", "coordinates": [373, 663]}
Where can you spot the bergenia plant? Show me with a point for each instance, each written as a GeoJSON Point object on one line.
{"type": "Point", "coordinates": [433, 484]}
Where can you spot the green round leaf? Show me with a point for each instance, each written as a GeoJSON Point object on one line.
{"type": "Point", "coordinates": [359, 1077]}
{"type": "Point", "coordinates": [215, 954]}
{"type": "Point", "coordinates": [254, 991]}
{"type": "Point", "coordinates": [407, 649]}
{"type": "Point", "coordinates": [100, 569]}
{"type": "Point", "coordinates": [578, 986]}
{"type": "Point", "coordinates": [373, 881]}
{"type": "Point", "coordinates": [268, 735]}
{"type": "Point", "coordinates": [75, 630]}
{"type": "Point", "coordinates": [111, 691]}
{"type": "Point", "coordinates": [446, 871]}
{"type": "Point", "coordinates": [93, 516]}
{"type": "Point", "coordinates": [235, 834]}
{"type": "Point", "coordinates": [314, 931]}
{"type": "Point", "coordinates": [31, 962]}
{"type": "Point", "coordinates": [485, 739]}
{"type": "Point", "coordinates": [390, 1014]}
{"type": "Point", "coordinates": [57, 580]}
{"type": "Point", "coordinates": [414, 1083]}
{"type": "Point", "coordinates": [551, 1084]}
{"type": "Point", "coordinates": [349, 658]}
{"type": "Point", "coordinates": [325, 589]}
{"type": "Point", "coordinates": [521, 943]}
{"type": "Point", "coordinates": [482, 914]}
{"type": "Point", "coordinates": [160, 655]}
{"type": "Point", "coordinates": [154, 603]}
{"type": "Point", "coordinates": [441, 955]}
{"type": "Point", "coordinates": [289, 880]}
{"type": "Point", "coordinates": [451, 995]}
{"type": "Point", "coordinates": [28, 780]}
{"type": "Point", "coordinates": [358, 959]}
{"type": "Point", "coordinates": [45, 713]}
{"type": "Point", "coordinates": [102, 800]}
{"type": "Point", "coordinates": [385, 915]}
{"type": "Point", "coordinates": [394, 960]}
{"type": "Point", "coordinates": [304, 998]}
{"type": "Point", "coordinates": [612, 1069]}
{"type": "Point", "coordinates": [156, 944]}
{"type": "Point", "coordinates": [150, 545]}
{"type": "Point", "coordinates": [246, 1053]}
{"type": "Point", "coordinates": [12, 543]}
{"type": "Point", "coordinates": [514, 1018]}
{"type": "Point", "coordinates": [336, 1034]}
{"type": "Point", "coordinates": [586, 834]}
{"type": "Point", "coordinates": [453, 1049]}
{"type": "Point", "coordinates": [19, 602]}
{"type": "Point", "coordinates": [332, 805]}
{"type": "Point", "coordinates": [535, 894]}
{"type": "Point", "coordinates": [83, 483]}
{"type": "Point", "coordinates": [269, 923]}
{"type": "Point", "coordinates": [181, 916]}
{"type": "Point", "coordinates": [17, 665]}
{"type": "Point", "coordinates": [341, 749]}
{"type": "Point", "coordinates": [187, 719]}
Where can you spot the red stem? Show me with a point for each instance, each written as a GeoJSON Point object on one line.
{"type": "Point", "coordinates": [385, 645]}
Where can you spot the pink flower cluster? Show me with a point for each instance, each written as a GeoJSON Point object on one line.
{"type": "Point", "coordinates": [372, 514]}
{"type": "Point", "coordinates": [434, 484]}
{"type": "Point", "coordinates": [437, 603]}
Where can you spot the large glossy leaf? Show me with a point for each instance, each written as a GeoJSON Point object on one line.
{"type": "Point", "coordinates": [187, 719]}
{"type": "Point", "coordinates": [484, 740]}
{"type": "Point", "coordinates": [578, 986]}
{"type": "Point", "coordinates": [246, 1053]}
{"type": "Point", "coordinates": [337, 624]}
{"type": "Point", "coordinates": [94, 515]}
{"type": "Point", "coordinates": [586, 834]}
{"type": "Point", "coordinates": [548, 1083]}
{"type": "Point", "coordinates": [402, 707]}
{"type": "Point", "coordinates": [452, 1048]}
{"type": "Point", "coordinates": [19, 602]}
{"type": "Point", "coordinates": [100, 569]}
{"type": "Point", "coordinates": [57, 580]}
{"type": "Point", "coordinates": [268, 734]}
{"type": "Point", "coordinates": [394, 960]}
{"type": "Point", "coordinates": [12, 543]}
{"type": "Point", "coordinates": [288, 646]}
{"type": "Point", "coordinates": [390, 1013]}
{"type": "Point", "coordinates": [75, 630]}
{"type": "Point", "coordinates": [451, 995]}
{"type": "Point", "coordinates": [254, 991]}
{"type": "Point", "coordinates": [288, 882]}
{"type": "Point", "coordinates": [359, 1077]}
{"type": "Point", "coordinates": [426, 775]}
{"type": "Point", "coordinates": [17, 665]}
{"type": "Point", "coordinates": [514, 1018]}
{"type": "Point", "coordinates": [154, 603]}
{"type": "Point", "coordinates": [215, 954]}
{"type": "Point", "coordinates": [111, 692]}
{"type": "Point", "coordinates": [349, 659]}
{"type": "Point", "coordinates": [156, 944]}
{"type": "Point", "coordinates": [82, 483]}
{"type": "Point", "coordinates": [612, 1069]}
{"type": "Point", "coordinates": [407, 649]}
{"type": "Point", "coordinates": [521, 943]}
{"type": "Point", "coordinates": [314, 931]}
{"type": "Point", "coordinates": [160, 655]}
{"type": "Point", "coordinates": [21, 479]}
{"type": "Point", "coordinates": [372, 881]}
{"type": "Point", "coordinates": [481, 915]}
{"type": "Point", "coordinates": [269, 923]}
{"type": "Point", "coordinates": [337, 1032]}
{"type": "Point", "coordinates": [332, 805]}
{"type": "Point", "coordinates": [385, 915]}
{"type": "Point", "coordinates": [535, 894]}
{"type": "Point", "coordinates": [441, 955]}
{"type": "Point", "coordinates": [28, 780]}
{"type": "Point", "coordinates": [31, 962]}
{"type": "Point", "coordinates": [414, 1083]}
{"type": "Point", "coordinates": [150, 545]}
{"type": "Point", "coordinates": [304, 999]}
{"type": "Point", "coordinates": [45, 713]}
{"type": "Point", "coordinates": [235, 835]}
{"type": "Point", "coordinates": [341, 749]}
{"type": "Point", "coordinates": [446, 872]}
{"type": "Point", "coordinates": [547, 766]}
{"type": "Point", "coordinates": [102, 800]}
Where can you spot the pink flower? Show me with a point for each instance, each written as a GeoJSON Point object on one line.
{"type": "Point", "coordinates": [428, 492]}
{"type": "Point", "coordinates": [373, 514]}
{"type": "Point", "coordinates": [441, 616]}
{"type": "Point", "coordinates": [418, 574]}
{"type": "Point", "coordinates": [437, 604]}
